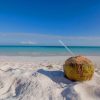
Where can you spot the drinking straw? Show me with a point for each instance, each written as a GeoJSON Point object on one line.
{"type": "Point", "coordinates": [62, 43]}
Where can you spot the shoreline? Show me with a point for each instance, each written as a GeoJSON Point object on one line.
{"type": "Point", "coordinates": [32, 58]}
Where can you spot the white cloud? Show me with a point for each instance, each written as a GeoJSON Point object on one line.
{"type": "Point", "coordinates": [28, 35]}
{"type": "Point", "coordinates": [28, 43]}
{"type": "Point", "coordinates": [45, 39]}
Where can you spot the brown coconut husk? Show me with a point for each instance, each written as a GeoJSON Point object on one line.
{"type": "Point", "coordinates": [79, 62]}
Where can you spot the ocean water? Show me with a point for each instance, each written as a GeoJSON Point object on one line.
{"type": "Point", "coordinates": [48, 50]}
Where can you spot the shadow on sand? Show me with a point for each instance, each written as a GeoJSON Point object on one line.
{"type": "Point", "coordinates": [58, 76]}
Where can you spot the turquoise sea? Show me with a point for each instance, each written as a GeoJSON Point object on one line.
{"type": "Point", "coordinates": [48, 50]}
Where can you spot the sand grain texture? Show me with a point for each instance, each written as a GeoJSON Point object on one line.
{"type": "Point", "coordinates": [31, 80]}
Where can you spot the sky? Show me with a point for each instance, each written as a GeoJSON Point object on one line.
{"type": "Point", "coordinates": [44, 22]}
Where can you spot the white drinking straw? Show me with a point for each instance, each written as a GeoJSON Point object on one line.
{"type": "Point", "coordinates": [61, 42]}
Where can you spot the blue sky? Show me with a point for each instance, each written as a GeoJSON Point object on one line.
{"type": "Point", "coordinates": [44, 22]}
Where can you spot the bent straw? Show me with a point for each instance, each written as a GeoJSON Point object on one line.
{"type": "Point", "coordinates": [61, 42]}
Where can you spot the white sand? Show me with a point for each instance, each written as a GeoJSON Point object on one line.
{"type": "Point", "coordinates": [28, 78]}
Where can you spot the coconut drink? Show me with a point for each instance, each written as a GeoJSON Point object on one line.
{"type": "Point", "coordinates": [78, 68]}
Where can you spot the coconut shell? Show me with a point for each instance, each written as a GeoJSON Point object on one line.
{"type": "Point", "coordinates": [78, 68]}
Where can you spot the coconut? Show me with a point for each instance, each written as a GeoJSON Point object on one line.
{"type": "Point", "coordinates": [78, 68]}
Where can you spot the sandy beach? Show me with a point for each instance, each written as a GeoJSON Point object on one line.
{"type": "Point", "coordinates": [42, 78]}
